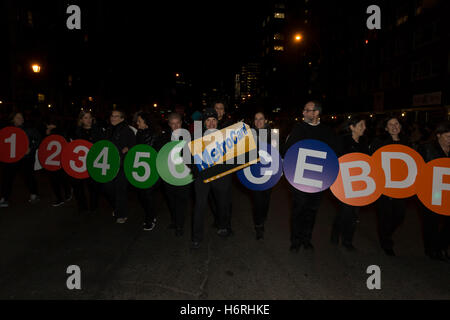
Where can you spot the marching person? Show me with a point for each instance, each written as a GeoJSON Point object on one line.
{"type": "Point", "coordinates": [390, 211]}
{"type": "Point", "coordinates": [306, 205]}
{"type": "Point", "coordinates": [261, 199]}
{"type": "Point", "coordinates": [87, 129]}
{"type": "Point", "coordinates": [146, 135]}
{"type": "Point", "coordinates": [220, 190]}
{"type": "Point", "coordinates": [25, 166]}
{"type": "Point", "coordinates": [59, 180]}
{"type": "Point", "coordinates": [436, 227]}
{"type": "Point", "coordinates": [344, 225]}
{"type": "Point", "coordinates": [120, 134]}
{"type": "Point", "coordinates": [177, 196]}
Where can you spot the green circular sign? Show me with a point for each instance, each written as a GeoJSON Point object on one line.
{"type": "Point", "coordinates": [140, 166]}
{"type": "Point", "coordinates": [171, 167]}
{"type": "Point", "coordinates": [103, 161]}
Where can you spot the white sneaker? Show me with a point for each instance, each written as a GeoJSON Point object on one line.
{"type": "Point", "coordinates": [34, 198]}
{"type": "Point", "coordinates": [3, 203]}
{"type": "Point", "coordinates": [121, 220]}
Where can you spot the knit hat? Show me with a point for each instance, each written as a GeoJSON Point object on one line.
{"type": "Point", "coordinates": [210, 113]}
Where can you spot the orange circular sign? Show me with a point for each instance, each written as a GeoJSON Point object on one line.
{"type": "Point", "coordinates": [360, 181]}
{"type": "Point", "coordinates": [401, 166]}
{"type": "Point", "coordinates": [434, 186]}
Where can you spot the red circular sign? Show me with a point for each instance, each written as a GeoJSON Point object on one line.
{"type": "Point", "coordinates": [73, 158]}
{"type": "Point", "coordinates": [13, 144]}
{"type": "Point", "coordinates": [50, 150]}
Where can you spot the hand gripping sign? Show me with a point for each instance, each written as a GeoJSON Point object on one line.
{"type": "Point", "coordinates": [50, 151]}
{"type": "Point", "coordinates": [221, 153]}
{"type": "Point", "coordinates": [103, 161]}
{"type": "Point", "coordinates": [266, 173]}
{"type": "Point", "coordinates": [73, 158]}
{"type": "Point", "coordinates": [311, 166]}
{"type": "Point", "coordinates": [13, 144]}
{"type": "Point", "coordinates": [360, 180]}
{"type": "Point", "coordinates": [433, 186]}
{"type": "Point", "coordinates": [170, 165]}
{"type": "Point", "coordinates": [401, 165]}
{"type": "Point", "coordinates": [140, 166]}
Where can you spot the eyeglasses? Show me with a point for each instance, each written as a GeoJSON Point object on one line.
{"type": "Point", "coordinates": [306, 110]}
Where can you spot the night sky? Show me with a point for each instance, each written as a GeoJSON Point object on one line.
{"type": "Point", "coordinates": [208, 40]}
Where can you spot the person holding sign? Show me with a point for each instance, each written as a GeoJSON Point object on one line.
{"type": "Point", "coordinates": [436, 227]}
{"type": "Point", "coordinates": [87, 129]}
{"type": "Point", "coordinates": [145, 135]}
{"type": "Point", "coordinates": [24, 166]}
{"type": "Point", "coordinates": [59, 180]}
{"type": "Point", "coordinates": [120, 134]}
{"type": "Point", "coordinates": [344, 225]}
{"type": "Point", "coordinates": [220, 191]}
{"type": "Point", "coordinates": [177, 196]}
{"type": "Point", "coordinates": [261, 199]}
{"type": "Point", "coordinates": [306, 204]}
{"type": "Point", "coordinates": [390, 211]}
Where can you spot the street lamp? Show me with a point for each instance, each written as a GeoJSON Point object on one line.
{"type": "Point", "coordinates": [36, 68]}
{"type": "Point", "coordinates": [298, 37]}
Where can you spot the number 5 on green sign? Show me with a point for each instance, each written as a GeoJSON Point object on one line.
{"type": "Point", "coordinates": [140, 166]}
{"type": "Point", "coordinates": [103, 161]}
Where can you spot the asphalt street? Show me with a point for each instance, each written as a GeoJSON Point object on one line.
{"type": "Point", "coordinates": [38, 243]}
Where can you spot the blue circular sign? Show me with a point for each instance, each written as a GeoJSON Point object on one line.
{"type": "Point", "coordinates": [311, 166]}
{"type": "Point", "coordinates": [266, 173]}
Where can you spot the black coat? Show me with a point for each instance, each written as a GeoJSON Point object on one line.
{"type": "Point", "coordinates": [93, 135]}
{"type": "Point", "coordinates": [432, 151]}
{"type": "Point", "coordinates": [147, 137]}
{"type": "Point", "coordinates": [387, 140]}
{"type": "Point", "coordinates": [303, 131]}
{"type": "Point", "coordinates": [34, 140]}
{"type": "Point", "coordinates": [121, 136]}
{"type": "Point", "coordinates": [349, 145]}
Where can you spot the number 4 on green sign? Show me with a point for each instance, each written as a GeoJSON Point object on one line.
{"type": "Point", "coordinates": [103, 161]}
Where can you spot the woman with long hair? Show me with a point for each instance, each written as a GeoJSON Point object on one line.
{"type": "Point", "coordinates": [390, 211]}
{"type": "Point", "coordinates": [344, 225]}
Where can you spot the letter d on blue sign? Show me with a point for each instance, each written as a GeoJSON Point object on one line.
{"type": "Point", "coordinates": [265, 174]}
{"type": "Point", "coordinates": [311, 166]}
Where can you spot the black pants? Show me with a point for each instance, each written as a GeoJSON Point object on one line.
{"type": "Point", "coordinates": [26, 168]}
{"type": "Point", "coordinates": [116, 193]}
{"type": "Point", "coordinates": [222, 196]}
{"type": "Point", "coordinates": [79, 190]}
{"type": "Point", "coordinates": [261, 203]}
{"type": "Point", "coordinates": [390, 215]}
{"type": "Point", "coordinates": [147, 200]}
{"type": "Point", "coordinates": [344, 225]}
{"type": "Point", "coordinates": [436, 231]}
{"type": "Point", "coordinates": [178, 203]}
{"type": "Point", "coordinates": [59, 182]}
{"type": "Point", "coordinates": [304, 213]}
{"type": "Point", "coordinates": [212, 203]}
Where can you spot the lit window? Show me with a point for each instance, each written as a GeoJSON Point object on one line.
{"type": "Point", "coordinates": [278, 36]}
{"type": "Point", "coordinates": [279, 5]}
{"type": "Point", "coordinates": [278, 48]}
{"type": "Point", "coordinates": [30, 18]}
{"type": "Point", "coordinates": [279, 15]}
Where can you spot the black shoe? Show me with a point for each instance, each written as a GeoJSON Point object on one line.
{"type": "Point", "coordinates": [349, 247]}
{"type": "Point", "coordinates": [195, 245]}
{"type": "Point", "coordinates": [224, 233]}
{"type": "Point", "coordinates": [171, 226]}
{"type": "Point", "coordinates": [149, 226]}
{"type": "Point", "coordinates": [259, 232]}
{"type": "Point", "coordinates": [389, 251]}
{"type": "Point", "coordinates": [308, 246]}
{"type": "Point", "coordinates": [295, 248]}
{"type": "Point", "coordinates": [57, 203]}
{"type": "Point", "coordinates": [179, 233]}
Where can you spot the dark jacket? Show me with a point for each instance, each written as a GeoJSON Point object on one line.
{"type": "Point", "coordinates": [348, 145]}
{"type": "Point", "coordinates": [303, 131]}
{"type": "Point", "coordinates": [93, 135]}
{"type": "Point", "coordinates": [431, 151]}
{"type": "Point", "coordinates": [121, 136]}
{"type": "Point", "coordinates": [148, 137]}
{"type": "Point", "coordinates": [34, 139]}
{"type": "Point", "coordinates": [387, 140]}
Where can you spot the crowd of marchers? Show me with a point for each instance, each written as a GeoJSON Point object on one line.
{"type": "Point", "coordinates": [143, 128]}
